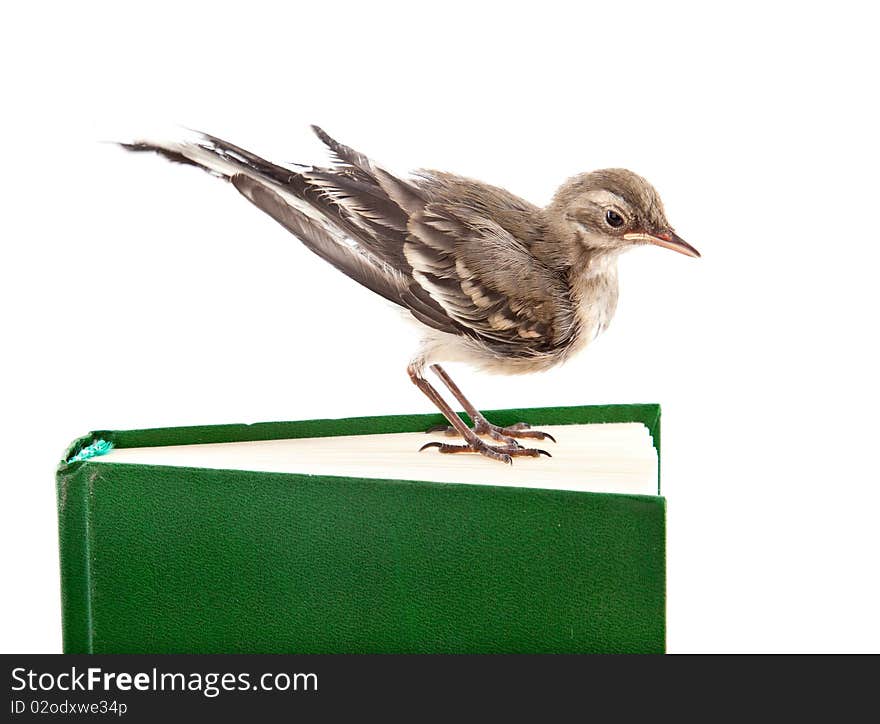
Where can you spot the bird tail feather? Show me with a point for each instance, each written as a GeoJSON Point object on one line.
{"type": "Point", "coordinates": [288, 197]}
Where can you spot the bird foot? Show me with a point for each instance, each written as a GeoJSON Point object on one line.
{"type": "Point", "coordinates": [502, 453]}
{"type": "Point", "coordinates": [507, 435]}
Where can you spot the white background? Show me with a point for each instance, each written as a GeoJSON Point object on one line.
{"type": "Point", "coordinates": [139, 294]}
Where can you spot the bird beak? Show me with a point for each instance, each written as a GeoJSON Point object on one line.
{"type": "Point", "coordinates": [667, 239]}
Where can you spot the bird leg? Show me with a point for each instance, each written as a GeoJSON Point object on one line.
{"type": "Point", "coordinates": [481, 425]}
{"type": "Point", "coordinates": [503, 453]}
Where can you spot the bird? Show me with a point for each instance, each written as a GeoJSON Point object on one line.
{"type": "Point", "coordinates": [492, 279]}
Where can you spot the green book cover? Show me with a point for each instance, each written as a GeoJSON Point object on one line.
{"type": "Point", "coordinates": [162, 559]}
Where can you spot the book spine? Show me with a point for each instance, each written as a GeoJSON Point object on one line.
{"type": "Point", "coordinates": [73, 482]}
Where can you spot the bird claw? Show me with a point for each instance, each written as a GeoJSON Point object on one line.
{"type": "Point", "coordinates": [502, 453]}
{"type": "Point", "coordinates": [507, 435]}
{"type": "Point", "coordinates": [528, 434]}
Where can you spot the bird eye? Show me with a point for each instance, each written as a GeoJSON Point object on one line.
{"type": "Point", "coordinates": [613, 218]}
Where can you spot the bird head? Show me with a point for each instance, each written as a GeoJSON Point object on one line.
{"type": "Point", "coordinates": [612, 210]}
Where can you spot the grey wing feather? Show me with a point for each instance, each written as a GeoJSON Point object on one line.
{"type": "Point", "coordinates": [404, 194]}
{"type": "Point", "coordinates": [323, 240]}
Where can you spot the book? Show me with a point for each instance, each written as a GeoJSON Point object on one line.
{"type": "Point", "coordinates": [338, 536]}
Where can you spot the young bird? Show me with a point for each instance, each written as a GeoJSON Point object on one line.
{"type": "Point", "coordinates": [495, 281]}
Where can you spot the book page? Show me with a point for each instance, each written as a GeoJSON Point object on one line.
{"type": "Point", "coordinates": [608, 458]}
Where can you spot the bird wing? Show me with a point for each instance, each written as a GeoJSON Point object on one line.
{"type": "Point", "coordinates": [486, 280]}
{"type": "Point", "coordinates": [470, 275]}
{"type": "Point", "coordinates": [376, 208]}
